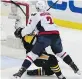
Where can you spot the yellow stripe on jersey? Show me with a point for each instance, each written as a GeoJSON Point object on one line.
{"type": "Point", "coordinates": [39, 71]}
{"type": "Point", "coordinates": [55, 66]}
{"type": "Point", "coordinates": [29, 38]}
{"type": "Point", "coordinates": [56, 69]}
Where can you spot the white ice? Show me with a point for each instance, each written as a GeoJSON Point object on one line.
{"type": "Point", "coordinates": [72, 44]}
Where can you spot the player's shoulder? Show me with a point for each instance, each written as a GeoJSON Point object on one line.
{"type": "Point", "coordinates": [33, 14]}
{"type": "Point", "coordinates": [41, 13]}
{"type": "Point", "coordinates": [44, 13]}
{"type": "Point", "coordinates": [37, 14]}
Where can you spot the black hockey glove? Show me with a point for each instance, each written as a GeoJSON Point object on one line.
{"type": "Point", "coordinates": [17, 33]}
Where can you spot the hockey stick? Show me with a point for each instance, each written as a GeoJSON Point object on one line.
{"type": "Point", "coordinates": [52, 5]}
{"type": "Point", "coordinates": [23, 10]}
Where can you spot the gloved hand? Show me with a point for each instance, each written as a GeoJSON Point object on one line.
{"type": "Point", "coordinates": [17, 33]}
{"type": "Point", "coordinates": [18, 27]}
{"type": "Point", "coordinates": [18, 23]}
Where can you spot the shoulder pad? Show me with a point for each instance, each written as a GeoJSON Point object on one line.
{"type": "Point", "coordinates": [33, 14]}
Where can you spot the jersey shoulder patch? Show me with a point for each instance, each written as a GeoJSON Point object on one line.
{"type": "Point", "coordinates": [33, 14]}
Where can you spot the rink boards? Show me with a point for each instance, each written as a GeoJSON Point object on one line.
{"type": "Point", "coordinates": [67, 13]}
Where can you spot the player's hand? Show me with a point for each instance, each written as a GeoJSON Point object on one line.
{"type": "Point", "coordinates": [18, 23]}
{"type": "Point", "coordinates": [17, 33]}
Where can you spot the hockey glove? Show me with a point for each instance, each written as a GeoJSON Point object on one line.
{"type": "Point", "coordinates": [17, 33]}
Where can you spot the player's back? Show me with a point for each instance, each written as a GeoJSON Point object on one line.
{"type": "Point", "coordinates": [46, 22]}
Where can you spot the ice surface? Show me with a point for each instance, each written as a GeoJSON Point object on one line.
{"type": "Point", "coordinates": [72, 43]}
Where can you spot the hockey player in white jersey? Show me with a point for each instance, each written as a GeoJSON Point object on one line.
{"type": "Point", "coordinates": [47, 35]}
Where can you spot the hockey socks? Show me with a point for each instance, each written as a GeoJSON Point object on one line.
{"type": "Point", "coordinates": [67, 59]}
{"type": "Point", "coordinates": [56, 69]}
{"type": "Point", "coordinates": [26, 63]}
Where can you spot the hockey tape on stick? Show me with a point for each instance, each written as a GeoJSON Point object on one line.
{"type": "Point", "coordinates": [52, 5]}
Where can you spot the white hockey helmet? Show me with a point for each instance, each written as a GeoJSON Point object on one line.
{"type": "Point", "coordinates": [40, 6]}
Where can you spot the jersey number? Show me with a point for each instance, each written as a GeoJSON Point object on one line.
{"type": "Point", "coordinates": [49, 19]}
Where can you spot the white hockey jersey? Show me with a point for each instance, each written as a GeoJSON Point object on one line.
{"type": "Point", "coordinates": [42, 21]}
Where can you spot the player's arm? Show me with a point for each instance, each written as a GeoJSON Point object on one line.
{"type": "Point", "coordinates": [21, 32]}
{"type": "Point", "coordinates": [31, 25]}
